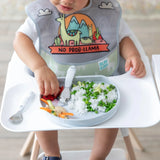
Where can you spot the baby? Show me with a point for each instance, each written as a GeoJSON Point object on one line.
{"type": "Point", "coordinates": [89, 34]}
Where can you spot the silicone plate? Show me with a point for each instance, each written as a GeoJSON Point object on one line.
{"type": "Point", "coordinates": [90, 118]}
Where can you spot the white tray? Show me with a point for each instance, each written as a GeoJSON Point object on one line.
{"type": "Point", "coordinates": [139, 105]}
{"type": "Point", "coordinates": [16, 92]}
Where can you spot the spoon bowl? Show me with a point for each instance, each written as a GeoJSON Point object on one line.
{"type": "Point", "coordinates": [18, 117]}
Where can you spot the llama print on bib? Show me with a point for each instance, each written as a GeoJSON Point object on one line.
{"type": "Point", "coordinates": [77, 34]}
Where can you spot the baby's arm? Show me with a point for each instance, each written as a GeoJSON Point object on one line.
{"type": "Point", "coordinates": [46, 79]}
{"type": "Point", "coordinates": [133, 60]}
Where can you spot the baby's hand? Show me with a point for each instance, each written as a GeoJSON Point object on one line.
{"type": "Point", "coordinates": [47, 81]}
{"type": "Point", "coordinates": [137, 65]}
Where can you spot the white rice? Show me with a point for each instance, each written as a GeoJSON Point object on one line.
{"type": "Point", "coordinates": [76, 102]}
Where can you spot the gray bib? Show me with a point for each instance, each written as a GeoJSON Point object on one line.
{"type": "Point", "coordinates": [85, 37]}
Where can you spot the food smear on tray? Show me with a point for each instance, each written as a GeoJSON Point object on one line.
{"type": "Point", "coordinates": [92, 97]}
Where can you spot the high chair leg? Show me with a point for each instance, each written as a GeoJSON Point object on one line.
{"type": "Point", "coordinates": [128, 143]}
{"type": "Point", "coordinates": [27, 145]}
{"type": "Point", "coordinates": [135, 140]}
{"type": "Point", "coordinates": [35, 150]}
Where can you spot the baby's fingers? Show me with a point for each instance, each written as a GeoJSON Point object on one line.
{"type": "Point", "coordinates": [54, 89]}
{"type": "Point", "coordinates": [141, 72]}
{"type": "Point", "coordinates": [135, 69]}
{"type": "Point", "coordinates": [41, 86]}
{"type": "Point", "coordinates": [127, 65]}
{"type": "Point", "coordinates": [47, 88]}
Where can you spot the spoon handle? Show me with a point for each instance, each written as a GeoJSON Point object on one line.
{"type": "Point", "coordinates": [25, 100]}
{"type": "Point", "coordinates": [69, 76]}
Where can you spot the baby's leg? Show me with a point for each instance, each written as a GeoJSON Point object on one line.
{"type": "Point", "coordinates": [103, 142]}
{"type": "Point", "coordinates": [48, 141]}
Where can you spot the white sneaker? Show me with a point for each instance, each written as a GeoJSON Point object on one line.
{"type": "Point", "coordinates": [41, 156]}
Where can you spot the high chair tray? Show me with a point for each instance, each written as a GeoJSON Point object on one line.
{"type": "Point", "coordinates": [139, 104]}
{"type": "Point", "coordinates": [16, 92]}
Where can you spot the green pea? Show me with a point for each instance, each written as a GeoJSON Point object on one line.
{"type": "Point", "coordinates": [73, 92]}
{"type": "Point", "coordinates": [107, 110]}
{"type": "Point", "coordinates": [96, 111]}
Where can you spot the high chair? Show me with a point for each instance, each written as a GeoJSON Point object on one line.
{"type": "Point", "coordinates": [31, 145]}
{"type": "Point", "coordinates": [135, 110]}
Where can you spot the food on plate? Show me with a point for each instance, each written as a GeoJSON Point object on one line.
{"type": "Point", "coordinates": [52, 97]}
{"type": "Point", "coordinates": [55, 110]}
{"type": "Point", "coordinates": [92, 97]}
{"type": "Point", "coordinates": [86, 96]}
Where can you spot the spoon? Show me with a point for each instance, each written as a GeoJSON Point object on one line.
{"type": "Point", "coordinates": [18, 117]}
{"type": "Point", "coordinates": [65, 95]}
